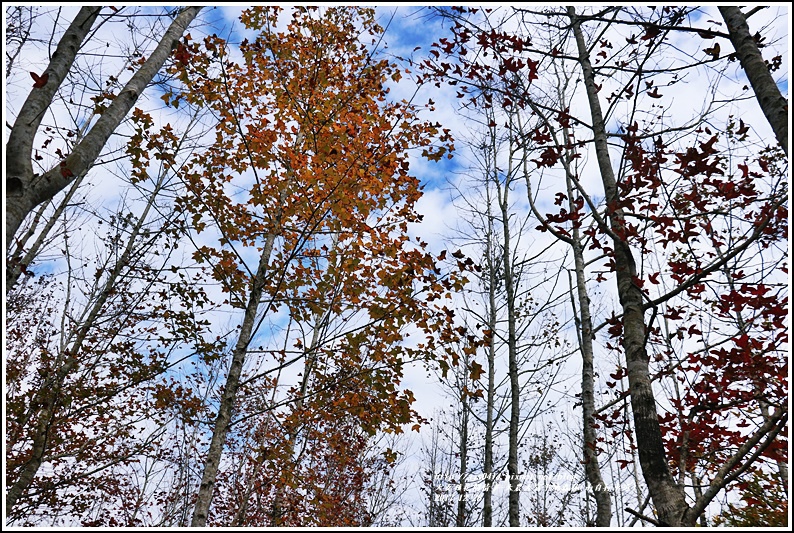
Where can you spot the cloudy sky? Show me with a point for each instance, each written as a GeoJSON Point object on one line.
{"type": "Point", "coordinates": [447, 183]}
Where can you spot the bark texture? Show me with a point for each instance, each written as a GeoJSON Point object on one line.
{"type": "Point", "coordinates": [772, 102]}
{"type": "Point", "coordinates": [26, 190]}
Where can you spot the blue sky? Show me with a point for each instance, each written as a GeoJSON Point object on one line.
{"type": "Point", "coordinates": [410, 27]}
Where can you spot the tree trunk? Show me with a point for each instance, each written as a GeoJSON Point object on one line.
{"type": "Point", "coordinates": [591, 466]}
{"type": "Point", "coordinates": [514, 512]}
{"type": "Point", "coordinates": [772, 102]}
{"type": "Point", "coordinates": [487, 507]}
{"type": "Point", "coordinates": [24, 189]}
{"type": "Point", "coordinates": [226, 408]}
{"type": "Point", "coordinates": [667, 497]}
{"type": "Point", "coordinates": [463, 443]}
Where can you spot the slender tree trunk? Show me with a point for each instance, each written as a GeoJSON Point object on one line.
{"type": "Point", "coordinates": [226, 408]}
{"type": "Point", "coordinates": [591, 466]}
{"type": "Point", "coordinates": [311, 358]}
{"type": "Point", "coordinates": [460, 518]}
{"type": "Point", "coordinates": [772, 102]}
{"type": "Point", "coordinates": [667, 497]}
{"type": "Point", "coordinates": [24, 189]}
{"type": "Point", "coordinates": [514, 511]}
{"type": "Point", "coordinates": [487, 508]}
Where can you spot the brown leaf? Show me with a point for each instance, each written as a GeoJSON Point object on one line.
{"type": "Point", "coordinates": [714, 51]}
{"type": "Point", "coordinates": [476, 370]}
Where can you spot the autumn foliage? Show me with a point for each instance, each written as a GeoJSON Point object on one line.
{"type": "Point", "coordinates": [683, 228]}
{"type": "Point", "coordinates": [309, 170]}
{"type": "Point", "coordinates": [228, 344]}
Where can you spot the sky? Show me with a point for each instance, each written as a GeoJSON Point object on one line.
{"type": "Point", "coordinates": [408, 27]}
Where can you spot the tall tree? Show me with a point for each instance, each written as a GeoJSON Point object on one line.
{"type": "Point", "coordinates": [325, 199]}
{"type": "Point", "coordinates": [89, 394]}
{"type": "Point", "coordinates": [678, 206]}
{"type": "Point", "coordinates": [26, 189]}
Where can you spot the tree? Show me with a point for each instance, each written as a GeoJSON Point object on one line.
{"type": "Point", "coordinates": [304, 134]}
{"type": "Point", "coordinates": [637, 192]}
{"type": "Point", "coordinates": [759, 72]}
{"type": "Point", "coordinates": [226, 341]}
{"type": "Point", "coordinates": [666, 494]}
{"type": "Point", "coordinates": [26, 189]}
{"type": "Point", "coordinates": [89, 396]}
{"type": "Point", "coordinates": [487, 94]}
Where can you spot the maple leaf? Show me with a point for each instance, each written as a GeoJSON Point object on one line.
{"type": "Point", "coordinates": [39, 81]}
{"type": "Point", "coordinates": [476, 370]}
{"type": "Point", "coordinates": [181, 54]}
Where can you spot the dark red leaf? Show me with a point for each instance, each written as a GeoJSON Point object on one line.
{"type": "Point", "coordinates": [39, 81]}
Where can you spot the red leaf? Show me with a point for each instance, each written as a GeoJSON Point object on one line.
{"type": "Point", "coordinates": [532, 67]}
{"type": "Point", "coordinates": [624, 463]}
{"type": "Point", "coordinates": [65, 171]}
{"type": "Point", "coordinates": [39, 81]}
